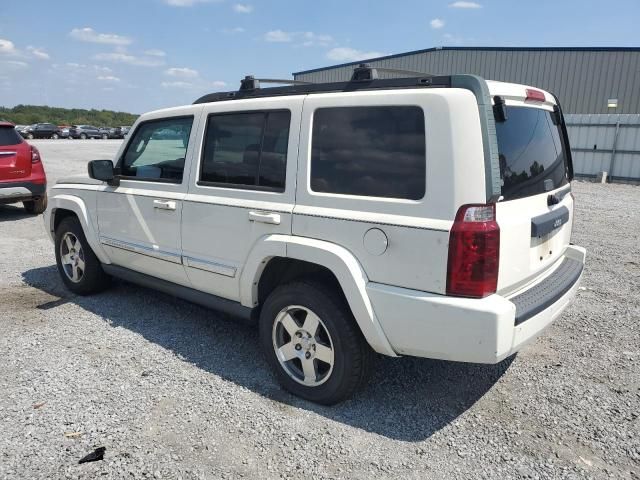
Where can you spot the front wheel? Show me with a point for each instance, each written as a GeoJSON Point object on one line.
{"type": "Point", "coordinates": [30, 136]}
{"type": "Point", "coordinates": [312, 342]}
{"type": "Point", "coordinates": [83, 136]}
{"type": "Point", "coordinates": [55, 136]}
{"type": "Point", "coordinates": [105, 136]}
{"type": "Point", "coordinates": [37, 206]}
{"type": "Point", "coordinates": [78, 266]}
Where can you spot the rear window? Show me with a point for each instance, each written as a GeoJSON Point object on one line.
{"type": "Point", "coordinates": [531, 153]}
{"type": "Point", "coordinates": [369, 151]}
{"type": "Point", "coordinates": [9, 136]}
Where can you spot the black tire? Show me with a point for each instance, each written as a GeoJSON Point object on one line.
{"type": "Point", "coordinates": [83, 136]}
{"type": "Point", "coordinates": [105, 136]}
{"type": "Point", "coordinates": [352, 354]}
{"type": "Point", "coordinates": [30, 136]}
{"type": "Point", "coordinates": [55, 136]}
{"type": "Point", "coordinates": [93, 279]}
{"type": "Point", "coordinates": [37, 206]}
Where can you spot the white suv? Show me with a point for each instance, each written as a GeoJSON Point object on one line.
{"type": "Point", "coordinates": [424, 216]}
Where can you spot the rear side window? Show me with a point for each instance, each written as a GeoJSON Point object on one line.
{"type": "Point", "coordinates": [157, 150]}
{"type": "Point", "coordinates": [532, 159]}
{"type": "Point", "coordinates": [247, 149]}
{"type": "Point", "coordinates": [369, 151]}
{"type": "Point", "coordinates": [9, 136]}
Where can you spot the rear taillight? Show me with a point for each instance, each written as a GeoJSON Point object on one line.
{"type": "Point", "coordinates": [35, 155]}
{"type": "Point", "coordinates": [535, 95]}
{"type": "Point", "coordinates": [474, 252]}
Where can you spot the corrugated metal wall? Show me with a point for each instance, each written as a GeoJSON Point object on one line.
{"type": "Point", "coordinates": [583, 79]}
{"type": "Point", "coordinates": [609, 143]}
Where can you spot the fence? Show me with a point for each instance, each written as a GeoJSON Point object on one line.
{"type": "Point", "coordinates": [606, 143]}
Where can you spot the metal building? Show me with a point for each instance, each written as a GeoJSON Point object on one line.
{"type": "Point", "coordinates": [586, 80]}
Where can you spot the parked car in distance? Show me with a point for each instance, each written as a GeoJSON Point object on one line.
{"type": "Point", "coordinates": [118, 132]}
{"type": "Point", "coordinates": [41, 130]}
{"type": "Point", "coordinates": [64, 131]}
{"type": "Point", "coordinates": [426, 216]}
{"type": "Point", "coordinates": [84, 131]}
{"type": "Point", "coordinates": [22, 176]}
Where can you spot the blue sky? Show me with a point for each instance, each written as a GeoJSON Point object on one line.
{"type": "Point", "coordinates": [140, 55]}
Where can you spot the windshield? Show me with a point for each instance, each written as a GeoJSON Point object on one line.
{"type": "Point", "coordinates": [532, 158]}
{"type": "Point", "coordinates": [9, 136]}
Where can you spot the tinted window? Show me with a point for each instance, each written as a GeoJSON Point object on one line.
{"type": "Point", "coordinates": [371, 151]}
{"type": "Point", "coordinates": [247, 149]}
{"type": "Point", "coordinates": [157, 150]}
{"type": "Point", "coordinates": [9, 136]}
{"type": "Point", "coordinates": [532, 159]}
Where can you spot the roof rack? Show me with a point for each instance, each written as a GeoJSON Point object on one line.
{"type": "Point", "coordinates": [364, 77]}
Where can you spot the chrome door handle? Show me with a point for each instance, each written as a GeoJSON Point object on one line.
{"type": "Point", "coordinates": [164, 204]}
{"type": "Point", "coordinates": [265, 217]}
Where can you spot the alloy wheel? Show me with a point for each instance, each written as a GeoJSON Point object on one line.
{"type": "Point", "coordinates": [72, 257]}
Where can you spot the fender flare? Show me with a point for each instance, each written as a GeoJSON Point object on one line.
{"type": "Point", "coordinates": [76, 205]}
{"type": "Point", "coordinates": [352, 278]}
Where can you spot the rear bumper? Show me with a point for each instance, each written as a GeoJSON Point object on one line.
{"type": "Point", "coordinates": [11, 192]}
{"type": "Point", "coordinates": [475, 330]}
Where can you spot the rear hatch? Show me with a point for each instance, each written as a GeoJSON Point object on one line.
{"type": "Point", "coordinates": [15, 155]}
{"type": "Point", "coordinates": [535, 212]}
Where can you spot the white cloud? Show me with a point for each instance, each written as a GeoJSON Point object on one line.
{"type": "Point", "coordinates": [311, 39]}
{"type": "Point", "coordinates": [346, 54]}
{"type": "Point", "coordinates": [183, 72]}
{"type": "Point", "coordinates": [154, 52]}
{"type": "Point", "coordinates": [13, 65]}
{"type": "Point", "coordinates": [120, 57]}
{"type": "Point", "coordinates": [72, 66]}
{"type": "Point", "coordinates": [7, 47]}
{"type": "Point", "coordinates": [278, 36]}
{"type": "Point", "coordinates": [462, 4]}
{"type": "Point", "coordinates": [38, 53]}
{"type": "Point", "coordinates": [243, 8]}
{"type": "Point", "coordinates": [436, 23]}
{"type": "Point", "coordinates": [218, 84]}
{"type": "Point", "coordinates": [233, 30]}
{"type": "Point", "coordinates": [177, 85]}
{"type": "Point", "coordinates": [108, 78]}
{"type": "Point", "coordinates": [306, 39]}
{"type": "Point", "coordinates": [88, 34]}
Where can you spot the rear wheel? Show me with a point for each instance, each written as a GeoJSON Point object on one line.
{"type": "Point", "coordinates": [105, 136]}
{"type": "Point", "coordinates": [78, 266]}
{"type": "Point", "coordinates": [36, 206]}
{"type": "Point", "coordinates": [30, 136]}
{"type": "Point", "coordinates": [313, 343]}
{"type": "Point", "coordinates": [55, 136]}
{"type": "Point", "coordinates": [83, 136]}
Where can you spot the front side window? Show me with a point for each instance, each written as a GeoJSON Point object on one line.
{"type": "Point", "coordinates": [157, 150]}
{"type": "Point", "coordinates": [369, 151]}
{"type": "Point", "coordinates": [247, 149]}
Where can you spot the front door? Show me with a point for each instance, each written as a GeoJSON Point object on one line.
{"type": "Point", "coordinates": [139, 220]}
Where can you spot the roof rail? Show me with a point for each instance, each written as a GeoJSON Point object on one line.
{"type": "Point", "coordinates": [251, 83]}
{"type": "Point", "coordinates": [365, 72]}
{"type": "Point", "coordinates": [364, 77]}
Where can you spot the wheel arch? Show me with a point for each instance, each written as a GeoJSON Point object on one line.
{"type": "Point", "coordinates": [63, 206]}
{"type": "Point", "coordinates": [278, 258]}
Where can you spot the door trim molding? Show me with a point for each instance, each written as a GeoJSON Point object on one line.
{"type": "Point", "coordinates": [142, 250]}
{"type": "Point", "coordinates": [209, 266]}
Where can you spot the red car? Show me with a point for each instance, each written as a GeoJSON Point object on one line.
{"type": "Point", "coordinates": [22, 177]}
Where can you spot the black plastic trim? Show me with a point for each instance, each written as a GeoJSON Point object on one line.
{"type": "Point", "coordinates": [36, 189]}
{"type": "Point", "coordinates": [547, 292]}
{"type": "Point", "coordinates": [189, 294]}
{"type": "Point", "coordinates": [545, 223]}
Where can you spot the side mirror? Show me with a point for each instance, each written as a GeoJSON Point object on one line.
{"type": "Point", "coordinates": [102, 170]}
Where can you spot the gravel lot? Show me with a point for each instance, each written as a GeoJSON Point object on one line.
{"type": "Point", "coordinates": [172, 391]}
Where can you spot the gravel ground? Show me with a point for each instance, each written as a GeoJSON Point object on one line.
{"type": "Point", "coordinates": [172, 391]}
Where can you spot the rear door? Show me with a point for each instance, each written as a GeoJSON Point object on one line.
{"type": "Point", "coordinates": [535, 213]}
{"type": "Point", "coordinates": [15, 155]}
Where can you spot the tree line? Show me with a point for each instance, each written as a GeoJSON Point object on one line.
{"type": "Point", "coordinates": [30, 114]}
